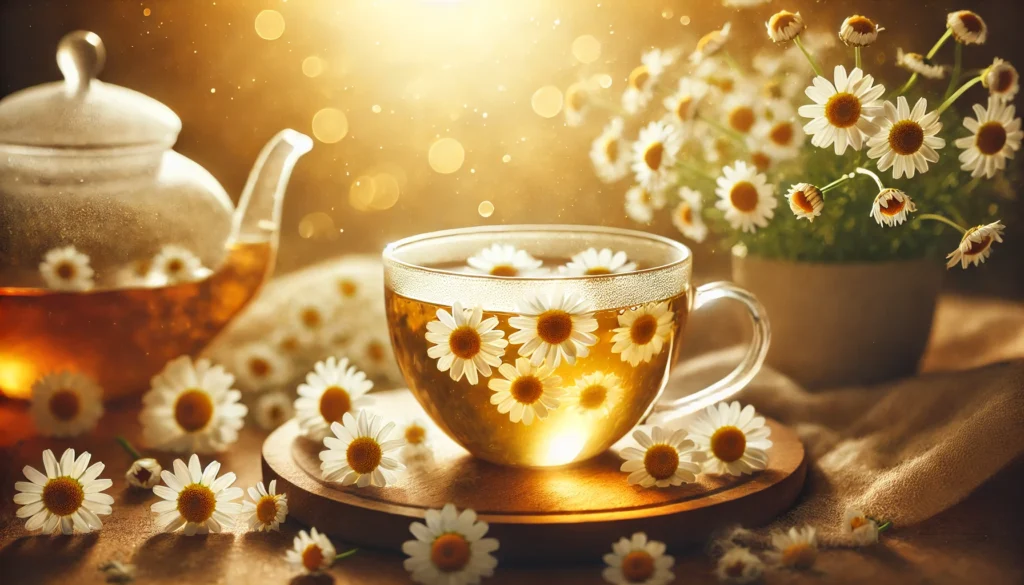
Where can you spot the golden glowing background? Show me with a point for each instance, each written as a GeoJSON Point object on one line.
{"type": "Point", "coordinates": [428, 114]}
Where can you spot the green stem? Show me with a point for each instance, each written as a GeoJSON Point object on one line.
{"type": "Point", "coordinates": [346, 554]}
{"type": "Point", "coordinates": [694, 170]}
{"type": "Point", "coordinates": [906, 86]}
{"type": "Point", "coordinates": [856, 57]}
{"type": "Point", "coordinates": [941, 219]}
{"type": "Point", "coordinates": [885, 526]}
{"type": "Point", "coordinates": [733, 63]}
{"type": "Point", "coordinates": [128, 447]}
{"type": "Point", "coordinates": [810, 59]}
{"type": "Point", "coordinates": [949, 101]}
{"type": "Point", "coordinates": [739, 138]}
{"type": "Point", "coordinates": [955, 76]}
{"type": "Point", "coordinates": [836, 183]}
{"type": "Point", "coordinates": [878, 181]}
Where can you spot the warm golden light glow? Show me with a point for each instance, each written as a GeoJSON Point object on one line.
{"type": "Point", "coordinates": [360, 193]}
{"type": "Point", "coordinates": [446, 155]}
{"type": "Point", "coordinates": [16, 377]}
{"type": "Point", "coordinates": [485, 209]}
{"type": "Point", "coordinates": [330, 125]}
{"type": "Point", "coordinates": [547, 101]}
{"type": "Point", "coordinates": [317, 225]}
{"type": "Point", "coordinates": [312, 66]}
{"type": "Point", "coordinates": [269, 25]}
{"type": "Point", "coordinates": [385, 191]}
{"type": "Point", "coordinates": [586, 49]}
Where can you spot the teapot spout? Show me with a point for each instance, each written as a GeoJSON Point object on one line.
{"type": "Point", "coordinates": [259, 210]}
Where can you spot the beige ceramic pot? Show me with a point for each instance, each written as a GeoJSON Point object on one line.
{"type": "Point", "coordinates": [840, 324]}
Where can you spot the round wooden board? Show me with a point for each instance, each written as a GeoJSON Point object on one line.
{"type": "Point", "coordinates": [565, 514]}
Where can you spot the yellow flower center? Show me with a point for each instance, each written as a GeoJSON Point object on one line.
{"type": "Point", "coordinates": [781, 20]}
{"type": "Point", "coordinates": [554, 326]}
{"type": "Point", "coordinates": [653, 155]}
{"type": "Point", "coordinates": [1004, 80]}
{"type": "Point", "coordinates": [781, 133]}
{"type": "Point", "coordinates": [857, 521]}
{"type": "Point", "coordinates": [611, 150]}
{"type": "Point", "coordinates": [259, 367]}
{"type": "Point", "coordinates": [364, 455]}
{"type": "Point", "coordinates": [686, 213]}
{"type": "Point", "coordinates": [643, 329]}
{"type": "Point", "coordinates": [974, 248]}
{"type": "Point", "coordinates": [504, 270]}
{"type": "Point", "coordinates": [575, 98]}
{"type": "Point", "coordinates": [266, 509]}
{"type": "Point", "coordinates": [464, 342]}
{"type": "Point", "coordinates": [991, 138]}
{"type": "Point", "coordinates": [289, 343]}
{"type": "Point", "coordinates": [772, 89]}
{"type": "Point", "coordinates": [743, 196]}
{"type": "Point", "coordinates": [196, 503]}
{"type": "Point", "coordinates": [593, 397]}
{"type": "Point", "coordinates": [66, 270]}
{"type": "Point", "coordinates": [724, 83]}
{"type": "Point", "coordinates": [742, 118]}
{"type": "Point", "coordinates": [906, 137]}
{"type": "Point", "coordinates": [376, 351]}
{"type": "Point", "coordinates": [638, 77]}
{"type": "Point", "coordinates": [415, 434]}
{"type": "Point", "coordinates": [800, 201]}
{"type": "Point", "coordinates": [799, 556]}
{"type": "Point", "coordinates": [450, 552]}
{"type": "Point", "coordinates": [312, 557]}
{"type": "Point", "coordinates": [63, 495]}
{"type": "Point", "coordinates": [334, 403]}
{"type": "Point", "coordinates": [64, 404]}
{"type": "Point", "coordinates": [597, 271]}
{"type": "Point", "coordinates": [683, 106]}
{"type": "Point", "coordinates": [527, 389]}
{"type": "Point", "coordinates": [193, 410]}
{"type": "Point", "coordinates": [311, 318]}
{"type": "Point", "coordinates": [861, 24]}
{"type": "Point", "coordinates": [661, 461]}
{"type": "Point", "coordinates": [842, 110]}
{"type": "Point", "coordinates": [174, 266]}
{"type": "Point", "coordinates": [971, 21]}
{"type": "Point", "coordinates": [347, 288]}
{"type": "Point", "coordinates": [894, 205]}
{"type": "Point", "coordinates": [638, 566]}
{"type": "Point", "coordinates": [728, 443]}
{"type": "Point", "coordinates": [761, 160]}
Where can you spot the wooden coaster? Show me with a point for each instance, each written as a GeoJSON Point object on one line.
{"type": "Point", "coordinates": [559, 515]}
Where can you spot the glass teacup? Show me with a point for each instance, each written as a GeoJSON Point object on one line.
{"type": "Point", "coordinates": [543, 366]}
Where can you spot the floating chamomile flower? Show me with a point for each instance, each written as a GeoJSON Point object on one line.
{"type": "Point", "coordinates": [593, 262]}
{"type": "Point", "coordinates": [859, 31]}
{"type": "Point", "coordinates": [594, 393]}
{"type": "Point", "coordinates": [357, 454]}
{"type": "Point", "coordinates": [504, 260]}
{"type": "Point", "coordinates": [739, 566]}
{"type": "Point", "coordinates": [144, 473]}
{"type": "Point", "coordinates": [687, 215]}
{"type": "Point", "coordinates": [636, 561]}
{"type": "Point", "coordinates": [528, 392]}
{"type": "Point", "coordinates": [916, 63]}
{"type": "Point", "coordinates": [575, 104]}
{"type": "Point", "coordinates": [745, 196]}
{"type": "Point", "coordinates": [664, 459]}
{"type": "Point", "coordinates": [863, 530]}
{"type": "Point", "coordinates": [968, 28]}
{"type": "Point", "coordinates": [784, 26]}
{"type": "Point", "coordinates": [891, 207]}
{"type": "Point", "coordinates": [907, 139]}
{"type": "Point", "coordinates": [311, 551]}
{"type": "Point", "coordinates": [641, 203]}
{"type": "Point", "coordinates": [333, 389]}
{"type": "Point", "coordinates": [654, 153]}
{"type": "Point", "coordinates": [174, 264]}
{"type": "Point", "coordinates": [641, 82]}
{"type": "Point", "coordinates": [610, 153]}
{"type": "Point", "coordinates": [272, 410]}
{"type": "Point", "coordinates": [841, 113]}
{"type": "Point", "coordinates": [65, 404]}
{"type": "Point", "coordinates": [267, 510]}
{"type": "Point", "coordinates": [796, 549]}
{"type": "Point", "coordinates": [976, 245]}
{"type": "Point", "coordinates": [67, 499]}
{"type": "Point", "coordinates": [805, 201]}
{"type": "Point", "coordinates": [1002, 80]}
{"type": "Point", "coordinates": [196, 499]}
{"type": "Point", "coordinates": [735, 440]}
{"type": "Point", "coordinates": [261, 365]}
{"type": "Point", "coordinates": [643, 332]}
{"type": "Point", "coordinates": [450, 548]}
{"type": "Point", "coordinates": [67, 269]}
{"type": "Point", "coordinates": [553, 326]}
{"type": "Point", "coordinates": [711, 43]}
{"type": "Point", "coordinates": [996, 136]}
{"type": "Point", "coordinates": [683, 105]}
{"type": "Point", "coordinates": [465, 343]}
{"type": "Point", "coordinates": [191, 407]}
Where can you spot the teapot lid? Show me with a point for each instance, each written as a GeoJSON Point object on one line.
{"type": "Point", "coordinates": [82, 111]}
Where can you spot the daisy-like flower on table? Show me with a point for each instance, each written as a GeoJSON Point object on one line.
{"type": "Point", "coordinates": [466, 344]}
{"type": "Point", "coordinates": [784, 26]}
{"type": "Point", "coordinates": [641, 203]}
{"type": "Point", "coordinates": [333, 389]}
{"type": "Point", "coordinates": [996, 135]}
{"type": "Point", "coordinates": [683, 105]}
{"type": "Point", "coordinates": [711, 43]}
{"type": "Point", "coordinates": [348, 287]}
{"type": "Point", "coordinates": [576, 103]}
{"type": "Point", "coordinates": [594, 393]}
{"type": "Point", "coordinates": [175, 264]}
{"type": "Point", "coordinates": [859, 31]}
{"type": "Point", "coordinates": [735, 440]}
{"type": "Point", "coordinates": [65, 404]}
{"type": "Point", "coordinates": [552, 326]}
{"type": "Point", "coordinates": [841, 113]}
{"type": "Point", "coordinates": [528, 392]}
{"type": "Point", "coordinates": [357, 454]}
{"type": "Point", "coordinates": [907, 139]}
{"type": "Point", "coordinates": [863, 530]}
{"type": "Point", "coordinates": [805, 201]}
{"type": "Point", "coordinates": [416, 450]}
{"type": "Point", "coordinates": [311, 551]}
{"type": "Point", "coordinates": [745, 196]}
{"type": "Point", "coordinates": [891, 207]}
{"type": "Point", "coordinates": [267, 510]}
{"type": "Point", "coordinates": [780, 139]}
{"type": "Point", "coordinates": [191, 407]}
{"type": "Point", "coordinates": [638, 561]}
{"type": "Point", "coordinates": [687, 215]}
{"type": "Point", "coordinates": [739, 566]}
{"type": "Point", "coordinates": [641, 82]}
{"type": "Point", "coordinates": [196, 499]}
{"type": "Point", "coordinates": [67, 269]}
{"type": "Point", "coordinates": [642, 332]}
{"type": "Point", "coordinates": [310, 317]}
{"type": "Point", "coordinates": [796, 549]}
{"type": "Point", "coordinates": [450, 548]}
{"type": "Point", "coordinates": [504, 260]}
{"type": "Point", "coordinates": [654, 153]}
{"type": "Point", "coordinates": [610, 153]}
{"type": "Point", "coordinates": [976, 245]}
{"type": "Point", "coordinates": [68, 498]}
{"type": "Point", "coordinates": [916, 63]}
{"type": "Point", "coordinates": [272, 410]}
{"type": "Point", "coordinates": [598, 262]}
{"type": "Point", "coordinates": [291, 340]}
{"type": "Point", "coordinates": [968, 28]}
{"type": "Point", "coordinates": [665, 459]}
{"type": "Point", "coordinates": [1002, 80]}
{"type": "Point", "coordinates": [260, 365]}
{"type": "Point", "coordinates": [144, 473]}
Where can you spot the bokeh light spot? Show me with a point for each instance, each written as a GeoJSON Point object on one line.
{"type": "Point", "coordinates": [684, 20]}
{"type": "Point", "coordinates": [385, 191]}
{"type": "Point", "coordinates": [603, 80]}
{"type": "Point", "coordinates": [667, 13]}
{"type": "Point", "coordinates": [375, 108]}
{"type": "Point", "coordinates": [330, 125]}
{"type": "Point", "coordinates": [547, 101]}
{"type": "Point", "coordinates": [360, 193]}
{"type": "Point", "coordinates": [506, 158]}
{"type": "Point", "coordinates": [312, 66]}
{"type": "Point", "coordinates": [146, 12]}
{"type": "Point", "coordinates": [586, 49]}
{"type": "Point", "coordinates": [485, 209]}
{"type": "Point", "coordinates": [446, 155]}
{"type": "Point", "coordinates": [269, 24]}
{"type": "Point", "coordinates": [317, 225]}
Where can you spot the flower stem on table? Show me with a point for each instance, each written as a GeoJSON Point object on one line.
{"type": "Point", "coordinates": [941, 219]}
{"type": "Point", "coordinates": [127, 446]}
{"type": "Point", "coordinates": [810, 59]}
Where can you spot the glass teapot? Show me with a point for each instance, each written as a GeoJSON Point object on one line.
{"type": "Point", "coordinates": [118, 254]}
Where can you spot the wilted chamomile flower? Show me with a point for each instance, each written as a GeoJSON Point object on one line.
{"type": "Point", "coordinates": [916, 63]}
{"type": "Point", "coordinates": [805, 201]}
{"type": "Point", "coordinates": [859, 31]}
{"type": "Point", "coordinates": [976, 245]}
{"type": "Point", "coordinates": [576, 102]}
{"type": "Point", "coordinates": [891, 207]}
{"type": "Point", "coordinates": [862, 530]}
{"type": "Point", "coordinates": [968, 28]}
{"type": "Point", "coordinates": [784, 26]}
{"type": "Point", "coordinates": [711, 43]}
{"type": "Point", "coordinates": [796, 549]}
{"type": "Point", "coordinates": [1002, 80]}
{"type": "Point", "coordinates": [739, 566]}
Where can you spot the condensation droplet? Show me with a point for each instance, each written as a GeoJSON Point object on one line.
{"type": "Point", "coordinates": [506, 158]}
{"type": "Point", "coordinates": [586, 48]}
{"type": "Point", "coordinates": [485, 209]}
{"type": "Point", "coordinates": [269, 24]}
{"type": "Point", "coordinates": [361, 193]}
{"type": "Point", "coordinates": [446, 155]}
{"type": "Point", "coordinates": [330, 125]}
{"type": "Point", "coordinates": [375, 108]}
{"type": "Point", "coordinates": [684, 20]}
{"type": "Point", "coordinates": [547, 101]}
{"type": "Point", "coordinates": [312, 66]}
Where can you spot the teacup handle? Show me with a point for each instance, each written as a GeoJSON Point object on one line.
{"type": "Point", "coordinates": [745, 371]}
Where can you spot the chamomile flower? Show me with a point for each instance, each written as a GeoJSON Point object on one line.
{"type": "Point", "coordinates": [144, 473]}
{"type": "Point", "coordinates": [333, 389]}
{"type": "Point", "coordinates": [996, 135]}
{"type": "Point", "coordinates": [687, 215]}
{"type": "Point", "coordinates": [349, 288]}
{"type": "Point", "coordinates": [641, 82]}
{"type": "Point", "coordinates": [372, 351]}
{"type": "Point", "coordinates": [575, 104]}
{"type": "Point", "coordinates": [67, 499]}
{"type": "Point", "coordinates": [641, 203]}
{"type": "Point", "coordinates": [272, 410]}
{"type": "Point", "coordinates": [976, 245]}
{"type": "Point", "coordinates": [891, 207]}
{"type": "Point", "coordinates": [450, 548]}
{"type": "Point", "coordinates": [841, 113]}
{"type": "Point", "coordinates": [735, 440]}
{"type": "Point", "coordinates": [594, 262]}
{"type": "Point", "coordinates": [65, 404]}
{"type": "Point", "coordinates": [594, 394]}
{"type": "Point", "coordinates": [416, 450]}
{"type": "Point", "coordinates": [664, 459]}
{"type": "Point", "coordinates": [610, 153]}
{"type": "Point", "coordinates": [654, 153]}
{"type": "Point", "coordinates": [907, 139]}
{"type": "Point", "coordinates": [261, 365]}
{"type": "Point", "coordinates": [357, 454]}
{"type": "Point", "coordinates": [503, 260]}
{"type": "Point", "coordinates": [739, 566]}
{"type": "Point", "coordinates": [528, 392]}
{"type": "Point", "coordinates": [805, 201]}
{"type": "Point", "coordinates": [310, 317]}
{"type": "Point", "coordinates": [196, 499]}
{"type": "Point", "coordinates": [311, 551]}
{"type": "Point", "coordinates": [683, 105]}
{"type": "Point", "coordinates": [1002, 80]}
{"type": "Point", "coordinates": [638, 561]}
{"type": "Point", "coordinates": [175, 264]}
{"type": "Point", "coordinates": [968, 28]}
{"type": "Point", "coordinates": [267, 510]}
{"type": "Point", "coordinates": [291, 341]}
{"type": "Point", "coordinates": [738, 113]}
{"type": "Point", "coordinates": [916, 63]}
{"type": "Point", "coordinates": [191, 407]}
{"type": "Point", "coordinates": [859, 31]}
{"type": "Point", "coordinates": [466, 344]}
{"type": "Point", "coordinates": [643, 332]}
{"type": "Point", "coordinates": [67, 269]}
{"type": "Point", "coordinates": [784, 26]}
{"type": "Point", "coordinates": [745, 196]}
{"type": "Point", "coordinates": [710, 44]}
{"type": "Point", "coordinates": [781, 138]}
{"type": "Point", "coordinates": [553, 326]}
{"type": "Point", "coordinates": [796, 549]}
{"type": "Point", "coordinates": [862, 530]}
